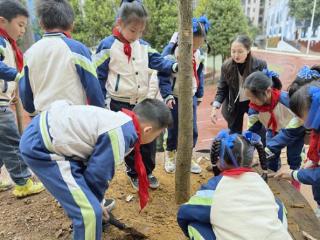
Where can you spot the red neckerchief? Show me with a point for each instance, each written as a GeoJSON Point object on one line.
{"type": "Point", "coordinates": [275, 96]}
{"type": "Point", "coordinates": [16, 49]}
{"type": "Point", "coordinates": [195, 73]}
{"type": "Point", "coordinates": [314, 147]}
{"type": "Point", "coordinates": [236, 171]}
{"type": "Point", "coordinates": [126, 45]}
{"type": "Point", "coordinates": [138, 163]}
{"type": "Point", "coordinates": [67, 34]}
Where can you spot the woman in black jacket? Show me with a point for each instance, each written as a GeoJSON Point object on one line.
{"type": "Point", "coordinates": [230, 93]}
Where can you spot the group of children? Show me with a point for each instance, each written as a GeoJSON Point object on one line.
{"type": "Point", "coordinates": [92, 111]}
{"type": "Point", "coordinates": [89, 111]}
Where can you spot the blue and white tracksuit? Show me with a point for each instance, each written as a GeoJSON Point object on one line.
{"type": "Point", "coordinates": [9, 135]}
{"type": "Point", "coordinates": [290, 132]}
{"type": "Point", "coordinates": [58, 68]}
{"type": "Point", "coordinates": [74, 150]}
{"type": "Point", "coordinates": [127, 82]}
{"type": "Point", "coordinates": [123, 80]}
{"type": "Point", "coordinates": [234, 207]}
{"type": "Point", "coordinates": [169, 89]}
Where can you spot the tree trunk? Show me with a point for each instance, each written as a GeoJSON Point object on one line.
{"type": "Point", "coordinates": [185, 138]}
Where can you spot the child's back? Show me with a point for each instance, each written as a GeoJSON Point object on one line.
{"type": "Point", "coordinates": [236, 204]}
{"type": "Point", "coordinates": [59, 68]}
{"type": "Point", "coordinates": [247, 206]}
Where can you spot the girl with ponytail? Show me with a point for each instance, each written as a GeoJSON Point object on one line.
{"type": "Point", "coordinates": [269, 108]}
{"type": "Point", "coordinates": [237, 203]}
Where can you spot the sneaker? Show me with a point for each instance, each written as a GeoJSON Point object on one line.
{"type": "Point", "coordinates": [27, 189]}
{"type": "Point", "coordinates": [296, 185]}
{"type": "Point", "coordinates": [170, 161]}
{"type": "Point", "coordinates": [317, 212]}
{"type": "Point", "coordinates": [134, 182]}
{"type": "Point", "coordinates": [195, 167]}
{"type": "Point", "coordinates": [109, 204]}
{"type": "Point", "coordinates": [4, 186]}
{"type": "Point", "coordinates": [153, 181]}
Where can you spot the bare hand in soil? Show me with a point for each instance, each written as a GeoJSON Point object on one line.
{"type": "Point", "coordinates": [283, 174]}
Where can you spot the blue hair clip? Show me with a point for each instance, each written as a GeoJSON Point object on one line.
{"type": "Point", "coordinates": [251, 137]}
{"type": "Point", "coordinates": [227, 142]}
{"type": "Point", "coordinates": [306, 73]}
{"type": "Point", "coordinates": [203, 20]}
{"type": "Point", "coordinates": [313, 119]}
{"type": "Point", "coordinates": [270, 74]}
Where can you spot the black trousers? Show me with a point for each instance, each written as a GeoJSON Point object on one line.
{"type": "Point", "coordinates": [148, 151]}
{"type": "Point", "coordinates": [237, 125]}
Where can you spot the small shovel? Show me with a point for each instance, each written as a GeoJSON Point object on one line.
{"type": "Point", "coordinates": [123, 227]}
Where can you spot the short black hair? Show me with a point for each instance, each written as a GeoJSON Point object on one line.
{"type": "Point", "coordinates": [154, 111]}
{"type": "Point", "coordinates": [55, 14]}
{"type": "Point", "coordinates": [258, 82]}
{"type": "Point", "coordinates": [132, 11]}
{"type": "Point", "coordinates": [10, 9]}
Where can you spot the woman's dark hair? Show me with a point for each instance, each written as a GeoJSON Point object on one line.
{"type": "Point", "coordinates": [55, 14]}
{"type": "Point", "coordinates": [10, 9]}
{"type": "Point", "coordinates": [132, 11]}
{"type": "Point", "coordinates": [258, 83]}
{"type": "Point", "coordinates": [300, 81]}
{"type": "Point", "coordinates": [231, 68]}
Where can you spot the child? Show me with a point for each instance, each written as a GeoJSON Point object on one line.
{"type": "Point", "coordinates": [269, 108]}
{"type": "Point", "coordinates": [58, 67]}
{"type": "Point", "coordinates": [76, 159]}
{"type": "Point", "coordinates": [13, 21]}
{"type": "Point", "coordinates": [237, 204]}
{"type": "Point", "coordinates": [307, 75]}
{"type": "Point", "coordinates": [123, 61]}
{"type": "Point", "coordinates": [305, 103]}
{"type": "Point", "coordinates": [169, 90]}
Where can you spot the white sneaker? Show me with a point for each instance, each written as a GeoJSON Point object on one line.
{"type": "Point", "coordinates": [170, 161]}
{"type": "Point", "coordinates": [317, 212]}
{"type": "Point", "coordinates": [195, 167]}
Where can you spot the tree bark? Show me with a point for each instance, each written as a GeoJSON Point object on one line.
{"type": "Point", "coordinates": [185, 137]}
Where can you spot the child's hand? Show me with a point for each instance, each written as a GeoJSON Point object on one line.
{"type": "Point", "coordinates": [105, 214]}
{"type": "Point", "coordinates": [284, 174]}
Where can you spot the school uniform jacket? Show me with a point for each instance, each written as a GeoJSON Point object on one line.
{"type": "Point", "coordinates": [56, 68]}
{"type": "Point", "coordinates": [238, 207]}
{"type": "Point", "coordinates": [88, 134]}
{"type": "Point", "coordinates": [8, 72]}
{"type": "Point", "coordinates": [289, 126]}
{"type": "Point", "coordinates": [168, 82]}
{"type": "Point", "coordinates": [127, 80]}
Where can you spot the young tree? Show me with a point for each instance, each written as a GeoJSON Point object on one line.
{"type": "Point", "coordinates": [185, 136]}
{"type": "Point", "coordinates": [227, 19]}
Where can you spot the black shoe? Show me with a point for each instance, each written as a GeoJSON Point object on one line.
{"type": "Point", "coordinates": [153, 181]}
{"type": "Point", "coordinates": [134, 182]}
{"type": "Point", "coordinates": [109, 204]}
